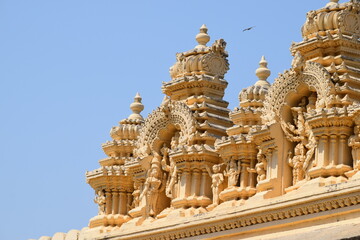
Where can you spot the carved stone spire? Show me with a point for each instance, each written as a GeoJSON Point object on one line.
{"type": "Point", "coordinates": [136, 107]}
{"type": "Point", "coordinates": [197, 79]}
{"type": "Point", "coordinates": [110, 177]}
{"type": "Point", "coordinates": [202, 37]}
{"type": "Point", "coordinates": [262, 73]}
{"type": "Point", "coordinates": [337, 25]}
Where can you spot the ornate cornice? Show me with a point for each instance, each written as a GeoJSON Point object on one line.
{"type": "Point", "coordinates": [332, 197]}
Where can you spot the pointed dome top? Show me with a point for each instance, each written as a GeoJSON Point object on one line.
{"type": "Point", "coordinates": [136, 108]}
{"type": "Point", "coordinates": [262, 73]}
{"type": "Point", "coordinates": [332, 3]}
{"type": "Point", "coordinates": [129, 128]}
{"type": "Point", "coordinates": [202, 37]}
{"type": "Point", "coordinates": [254, 95]}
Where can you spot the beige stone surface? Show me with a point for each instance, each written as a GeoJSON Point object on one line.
{"type": "Point", "coordinates": [72, 235]}
{"type": "Point", "coordinates": [59, 236]}
{"type": "Point", "coordinates": [284, 164]}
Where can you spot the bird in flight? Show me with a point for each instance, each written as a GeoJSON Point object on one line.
{"type": "Point", "coordinates": [247, 29]}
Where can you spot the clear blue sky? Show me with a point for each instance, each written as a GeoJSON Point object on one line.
{"type": "Point", "coordinates": [70, 69]}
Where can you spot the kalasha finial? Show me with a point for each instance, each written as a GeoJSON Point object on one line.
{"type": "Point", "coordinates": [262, 72]}
{"type": "Point", "coordinates": [136, 107]}
{"type": "Point", "coordinates": [332, 3]}
{"type": "Point", "coordinates": [202, 38]}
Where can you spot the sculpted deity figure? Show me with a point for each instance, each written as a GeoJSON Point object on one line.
{"type": "Point", "coordinates": [354, 143]}
{"type": "Point", "coordinates": [261, 166]}
{"type": "Point", "coordinates": [172, 169]}
{"type": "Point", "coordinates": [152, 188]}
{"type": "Point", "coordinates": [297, 162]}
{"type": "Point", "coordinates": [298, 62]}
{"type": "Point", "coordinates": [301, 131]}
{"type": "Point", "coordinates": [100, 200]}
{"type": "Point", "coordinates": [136, 194]}
{"type": "Point", "coordinates": [217, 180]}
{"type": "Point", "coordinates": [232, 172]}
{"type": "Point", "coordinates": [175, 140]}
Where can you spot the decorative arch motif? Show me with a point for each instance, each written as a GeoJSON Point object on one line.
{"type": "Point", "coordinates": [314, 75]}
{"type": "Point", "coordinates": [170, 112]}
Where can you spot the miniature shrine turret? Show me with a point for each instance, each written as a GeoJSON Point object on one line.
{"type": "Point", "coordinates": [176, 143]}
{"type": "Point", "coordinates": [115, 189]}
{"type": "Point", "coordinates": [243, 159]}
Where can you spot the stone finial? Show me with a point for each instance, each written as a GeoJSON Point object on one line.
{"type": "Point", "coordinates": [202, 37]}
{"type": "Point", "coordinates": [332, 3]}
{"type": "Point", "coordinates": [136, 107]}
{"type": "Point", "coordinates": [262, 72]}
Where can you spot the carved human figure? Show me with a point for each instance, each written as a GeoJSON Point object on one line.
{"type": "Point", "coordinates": [354, 143]}
{"type": "Point", "coordinates": [100, 200]}
{"type": "Point", "coordinates": [152, 187]}
{"type": "Point", "coordinates": [301, 131]}
{"type": "Point", "coordinates": [175, 140]}
{"type": "Point", "coordinates": [172, 169]}
{"type": "Point", "coordinates": [232, 172]}
{"type": "Point", "coordinates": [297, 162]}
{"type": "Point", "coordinates": [217, 180]}
{"type": "Point", "coordinates": [136, 194]}
{"type": "Point", "coordinates": [261, 166]}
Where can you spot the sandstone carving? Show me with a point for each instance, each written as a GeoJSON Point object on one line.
{"type": "Point", "coordinates": [286, 157]}
{"type": "Point", "coordinates": [153, 186]}
{"type": "Point", "coordinates": [100, 200]}
{"type": "Point", "coordinates": [232, 172]}
{"type": "Point", "coordinates": [217, 180]}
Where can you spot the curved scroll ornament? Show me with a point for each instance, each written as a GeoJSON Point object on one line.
{"type": "Point", "coordinates": [349, 19]}
{"type": "Point", "coordinates": [215, 62]}
{"type": "Point", "coordinates": [170, 112]}
{"type": "Point", "coordinates": [314, 75]}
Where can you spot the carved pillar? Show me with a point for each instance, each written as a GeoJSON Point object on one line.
{"type": "Point", "coordinates": [322, 158]}
{"type": "Point", "coordinates": [252, 174]}
{"type": "Point", "coordinates": [123, 203]}
{"type": "Point", "coordinates": [129, 201]}
{"type": "Point", "coordinates": [316, 160]}
{"type": "Point", "coordinates": [243, 175]}
{"type": "Point", "coordinates": [203, 183]}
{"type": "Point", "coordinates": [115, 202]}
{"type": "Point", "coordinates": [333, 127]}
{"type": "Point", "coordinates": [195, 183]}
{"type": "Point", "coordinates": [269, 156]}
{"type": "Point", "coordinates": [182, 183]}
{"type": "Point", "coordinates": [108, 203]}
{"type": "Point", "coordinates": [333, 150]}
{"type": "Point", "coordinates": [343, 150]}
{"type": "Point", "coordinates": [187, 177]}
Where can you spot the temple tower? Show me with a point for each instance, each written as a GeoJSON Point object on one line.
{"type": "Point", "coordinates": [245, 163]}
{"type": "Point", "coordinates": [176, 143]}
{"type": "Point", "coordinates": [115, 190]}
{"type": "Point", "coordinates": [331, 38]}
